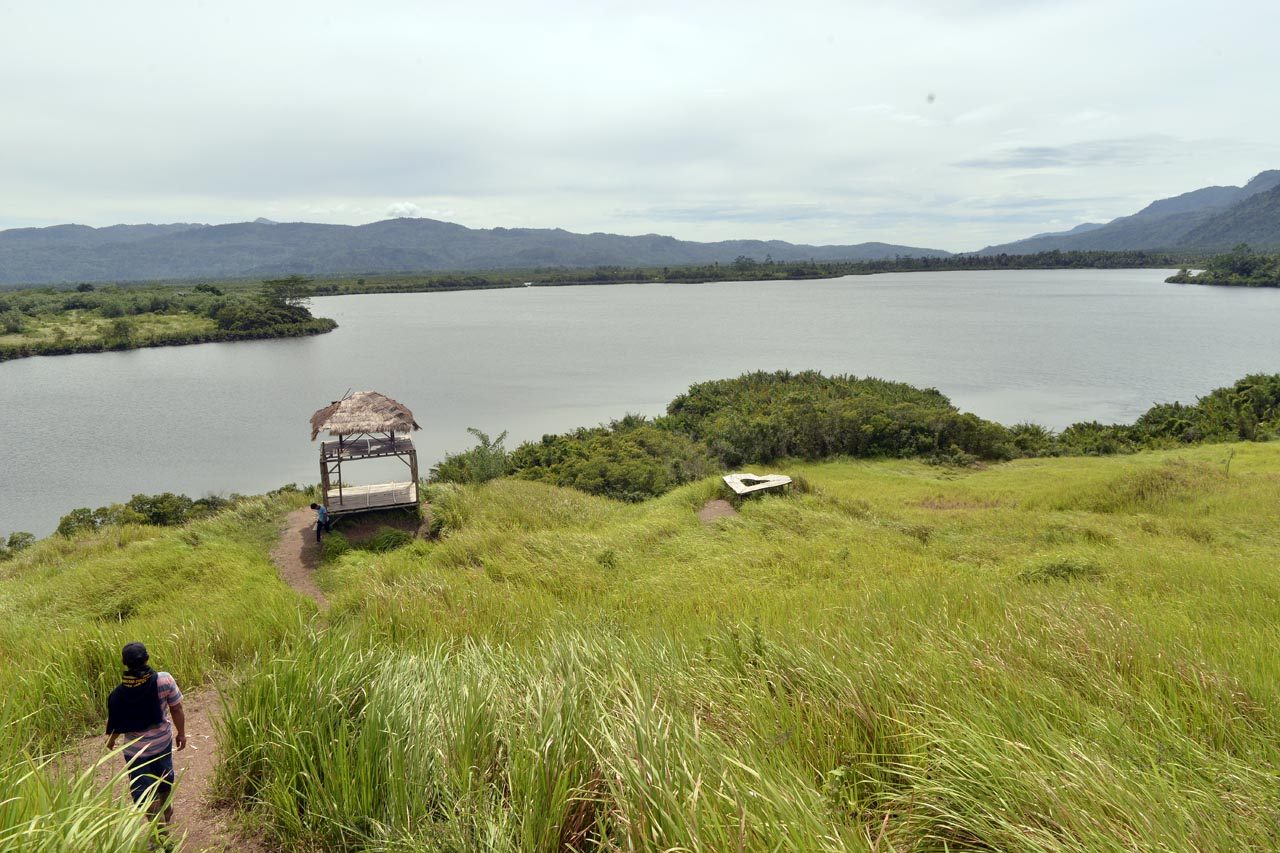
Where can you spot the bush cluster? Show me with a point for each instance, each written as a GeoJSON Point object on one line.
{"type": "Point", "coordinates": [165, 509]}
{"type": "Point", "coordinates": [629, 459]}
{"type": "Point", "coordinates": [764, 416]}
{"type": "Point", "coordinates": [486, 461]}
{"type": "Point", "coordinates": [276, 310]}
{"type": "Point", "coordinates": [1241, 267]}
{"type": "Point", "coordinates": [761, 417]}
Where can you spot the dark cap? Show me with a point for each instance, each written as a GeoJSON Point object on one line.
{"type": "Point", "coordinates": [134, 655]}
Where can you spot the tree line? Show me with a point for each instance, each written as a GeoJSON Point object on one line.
{"type": "Point", "coordinates": [1241, 267]}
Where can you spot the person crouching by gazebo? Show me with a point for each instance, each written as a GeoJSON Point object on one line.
{"type": "Point", "coordinates": [322, 520]}
{"type": "Point", "coordinates": [139, 711]}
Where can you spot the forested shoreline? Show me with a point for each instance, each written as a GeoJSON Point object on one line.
{"type": "Point", "coordinates": [92, 317]}
{"type": "Point", "coordinates": [1241, 267]}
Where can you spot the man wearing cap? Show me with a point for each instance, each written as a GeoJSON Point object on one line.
{"type": "Point", "coordinates": [139, 710]}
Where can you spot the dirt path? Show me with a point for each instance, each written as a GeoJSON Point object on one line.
{"type": "Point", "coordinates": [197, 824]}
{"type": "Point", "coordinates": [296, 554]}
{"type": "Point", "coordinates": [714, 509]}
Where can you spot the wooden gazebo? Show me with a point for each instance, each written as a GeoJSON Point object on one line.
{"type": "Point", "coordinates": [367, 425]}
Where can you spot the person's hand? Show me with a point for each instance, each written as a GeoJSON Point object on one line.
{"type": "Point", "coordinates": [182, 742]}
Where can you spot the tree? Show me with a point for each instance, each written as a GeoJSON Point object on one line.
{"type": "Point", "coordinates": [76, 521]}
{"type": "Point", "coordinates": [21, 540]}
{"type": "Point", "coordinates": [291, 292]}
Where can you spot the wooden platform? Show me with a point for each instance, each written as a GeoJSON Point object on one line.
{"type": "Point", "coordinates": [365, 448]}
{"type": "Point", "coordinates": [364, 498]}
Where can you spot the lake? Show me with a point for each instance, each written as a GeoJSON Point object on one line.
{"type": "Point", "coordinates": [1052, 347]}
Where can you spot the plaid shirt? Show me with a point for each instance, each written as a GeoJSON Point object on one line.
{"type": "Point", "coordinates": [156, 739]}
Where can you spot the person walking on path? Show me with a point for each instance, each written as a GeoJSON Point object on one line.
{"type": "Point", "coordinates": [322, 520]}
{"type": "Point", "coordinates": [144, 710]}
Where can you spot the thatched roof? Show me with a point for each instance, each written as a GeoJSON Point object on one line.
{"type": "Point", "coordinates": [363, 411]}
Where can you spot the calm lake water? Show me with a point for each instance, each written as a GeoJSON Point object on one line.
{"type": "Point", "coordinates": [1046, 346]}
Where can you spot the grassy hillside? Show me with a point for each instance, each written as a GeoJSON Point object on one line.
{"type": "Point", "coordinates": [204, 597]}
{"type": "Point", "coordinates": [1046, 654]}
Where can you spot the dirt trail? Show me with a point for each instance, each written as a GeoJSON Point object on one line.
{"type": "Point", "coordinates": [197, 823]}
{"type": "Point", "coordinates": [714, 509]}
{"type": "Point", "coordinates": [297, 554]}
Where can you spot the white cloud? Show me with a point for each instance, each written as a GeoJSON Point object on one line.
{"type": "Point", "coordinates": [404, 210]}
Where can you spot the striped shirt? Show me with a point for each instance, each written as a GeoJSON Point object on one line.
{"type": "Point", "coordinates": [155, 740]}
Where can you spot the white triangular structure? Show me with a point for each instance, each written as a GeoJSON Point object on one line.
{"type": "Point", "coordinates": [746, 483]}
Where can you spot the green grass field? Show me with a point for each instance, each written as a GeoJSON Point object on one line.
{"type": "Point", "coordinates": [1050, 654]}
{"type": "Point", "coordinates": [88, 326]}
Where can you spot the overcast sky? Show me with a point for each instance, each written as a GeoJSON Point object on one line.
{"type": "Point", "coordinates": [940, 123]}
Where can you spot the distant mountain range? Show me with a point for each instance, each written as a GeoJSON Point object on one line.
{"type": "Point", "coordinates": [78, 253]}
{"type": "Point", "coordinates": [1210, 218]}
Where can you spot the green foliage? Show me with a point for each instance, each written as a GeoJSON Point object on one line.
{"type": "Point", "coordinates": [482, 463]}
{"type": "Point", "coordinates": [1241, 267]}
{"type": "Point", "coordinates": [762, 417]}
{"type": "Point", "coordinates": [1032, 440]}
{"type": "Point", "coordinates": [287, 293]}
{"type": "Point", "coordinates": [163, 509]}
{"type": "Point", "coordinates": [49, 322]}
{"type": "Point", "coordinates": [166, 509]}
{"type": "Point", "coordinates": [79, 520]}
{"type": "Point", "coordinates": [1247, 410]}
{"type": "Point", "coordinates": [765, 416]}
{"type": "Point", "coordinates": [630, 459]}
{"type": "Point", "coordinates": [267, 312]}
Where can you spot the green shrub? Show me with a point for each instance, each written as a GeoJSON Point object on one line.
{"type": "Point", "coordinates": [164, 509]}
{"type": "Point", "coordinates": [1032, 440]}
{"type": "Point", "coordinates": [764, 416]}
{"type": "Point", "coordinates": [79, 520]}
{"type": "Point", "coordinates": [487, 461]}
{"type": "Point", "coordinates": [630, 459]}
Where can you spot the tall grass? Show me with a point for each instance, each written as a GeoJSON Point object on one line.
{"type": "Point", "coordinates": [865, 666]}
{"type": "Point", "coordinates": [203, 598]}
{"type": "Point", "coordinates": [43, 811]}
{"type": "Point", "coordinates": [1046, 655]}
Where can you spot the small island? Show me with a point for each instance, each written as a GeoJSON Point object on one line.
{"type": "Point", "coordinates": [1241, 267]}
{"type": "Point", "coordinates": [102, 318]}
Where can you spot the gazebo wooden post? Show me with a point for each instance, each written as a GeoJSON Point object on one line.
{"type": "Point", "coordinates": [324, 477]}
{"type": "Point", "coordinates": [339, 469]}
{"type": "Point", "coordinates": [413, 470]}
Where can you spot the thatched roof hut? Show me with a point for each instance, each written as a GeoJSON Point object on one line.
{"type": "Point", "coordinates": [363, 412]}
